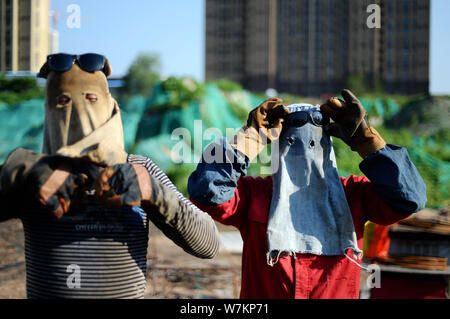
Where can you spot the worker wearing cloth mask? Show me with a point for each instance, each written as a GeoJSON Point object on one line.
{"type": "Point", "coordinates": [302, 227]}
{"type": "Point", "coordinates": [85, 203]}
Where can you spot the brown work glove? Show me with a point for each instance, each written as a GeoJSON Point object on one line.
{"type": "Point", "coordinates": [57, 182]}
{"type": "Point", "coordinates": [60, 182]}
{"type": "Point", "coordinates": [124, 184]}
{"type": "Point", "coordinates": [350, 124]}
{"type": "Point", "coordinates": [264, 125]}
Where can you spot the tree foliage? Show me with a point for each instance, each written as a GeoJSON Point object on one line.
{"type": "Point", "coordinates": [18, 89]}
{"type": "Point", "coordinates": [360, 84]}
{"type": "Point", "coordinates": [142, 75]}
{"type": "Point", "coordinates": [182, 91]}
{"type": "Point", "coordinates": [227, 85]}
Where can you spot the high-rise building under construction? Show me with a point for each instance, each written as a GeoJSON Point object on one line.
{"type": "Point", "coordinates": [310, 47]}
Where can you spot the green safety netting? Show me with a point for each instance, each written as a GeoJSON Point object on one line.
{"type": "Point", "coordinates": [437, 169]}
{"type": "Point", "coordinates": [379, 108]}
{"type": "Point", "coordinates": [136, 105]}
{"type": "Point", "coordinates": [130, 122]}
{"type": "Point", "coordinates": [196, 125]}
{"type": "Point", "coordinates": [150, 126]}
{"type": "Point", "coordinates": [425, 116]}
{"type": "Point", "coordinates": [367, 104]}
{"type": "Point", "coordinates": [385, 108]}
{"type": "Point", "coordinates": [147, 122]}
{"type": "Point", "coordinates": [21, 125]}
{"type": "Point", "coordinates": [418, 142]}
{"type": "Point", "coordinates": [212, 109]}
{"type": "Point", "coordinates": [166, 150]}
{"type": "Point", "coordinates": [392, 107]}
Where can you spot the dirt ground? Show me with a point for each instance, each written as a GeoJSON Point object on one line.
{"type": "Point", "coordinates": [171, 273]}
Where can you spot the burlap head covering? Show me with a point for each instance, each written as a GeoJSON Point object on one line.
{"type": "Point", "coordinates": [82, 126]}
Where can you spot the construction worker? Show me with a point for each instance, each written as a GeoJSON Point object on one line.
{"type": "Point", "coordinates": [303, 226]}
{"type": "Point", "coordinates": [84, 202]}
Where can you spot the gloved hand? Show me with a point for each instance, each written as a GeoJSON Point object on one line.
{"type": "Point", "coordinates": [124, 184]}
{"type": "Point", "coordinates": [264, 125]}
{"type": "Point", "coordinates": [350, 124]}
{"type": "Point", "coordinates": [268, 118]}
{"type": "Point", "coordinates": [59, 182]}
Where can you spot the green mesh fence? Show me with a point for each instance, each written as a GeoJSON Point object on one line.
{"type": "Point", "coordinates": [367, 104]}
{"type": "Point", "coordinates": [385, 108]}
{"type": "Point", "coordinates": [21, 125]}
{"type": "Point", "coordinates": [199, 123]}
{"type": "Point", "coordinates": [150, 128]}
{"type": "Point", "coordinates": [434, 171]}
{"type": "Point", "coordinates": [392, 107]}
{"type": "Point", "coordinates": [379, 108]}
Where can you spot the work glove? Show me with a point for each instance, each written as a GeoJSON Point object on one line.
{"type": "Point", "coordinates": [60, 182]}
{"type": "Point", "coordinates": [57, 182]}
{"type": "Point", "coordinates": [350, 124]}
{"type": "Point", "coordinates": [124, 185]}
{"type": "Point", "coordinates": [264, 125]}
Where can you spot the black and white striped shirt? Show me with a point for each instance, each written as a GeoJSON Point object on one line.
{"type": "Point", "coordinates": [97, 252]}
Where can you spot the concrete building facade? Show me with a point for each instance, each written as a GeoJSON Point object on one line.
{"type": "Point", "coordinates": [310, 47]}
{"type": "Point", "coordinates": [24, 34]}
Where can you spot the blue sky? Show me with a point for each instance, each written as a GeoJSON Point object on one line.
{"type": "Point", "coordinates": [174, 29]}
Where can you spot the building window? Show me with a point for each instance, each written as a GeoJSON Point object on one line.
{"type": "Point", "coordinates": [406, 5]}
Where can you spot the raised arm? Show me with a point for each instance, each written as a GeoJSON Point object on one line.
{"type": "Point", "coordinates": [394, 188]}
{"type": "Point", "coordinates": [216, 185]}
{"type": "Point", "coordinates": [397, 181]}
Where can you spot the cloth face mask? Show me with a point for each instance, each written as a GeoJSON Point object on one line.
{"type": "Point", "coordinates": [81, 117]}
{"type": "Point", "coordinates": [309, 212]}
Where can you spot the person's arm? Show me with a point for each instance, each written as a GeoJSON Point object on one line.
{"type": "Point", "coordinates": [215, 185]}
{"type": "Point", "coordinates": [13, 180]}
{"type": "Point", "coordinates": [7, 211]}
{"type": "Point", "coordinates": [181, 221]}
{"type": "Point", "coordinates": [398, 183]}
{"type": "Point", "coordinates": [396, 188]}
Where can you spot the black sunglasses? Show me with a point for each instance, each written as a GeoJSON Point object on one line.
{"type": "Point", "coordinates": [299, 119]}
{"type": "Point", "coordinates": [90, 62]}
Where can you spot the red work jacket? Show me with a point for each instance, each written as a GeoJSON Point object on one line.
{"type": "Point", "coordinates": [306, 275]}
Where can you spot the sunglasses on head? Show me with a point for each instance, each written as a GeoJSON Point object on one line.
{"type": "Point", "coordinates": [299, 119]}
{"type": "Point", "coordinates": [90, 62]}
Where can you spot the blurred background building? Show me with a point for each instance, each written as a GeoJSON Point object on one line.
{"type": "Point", "coordinates": [25, 35]}
{"type": "Point", "coordinates": [310, 47]}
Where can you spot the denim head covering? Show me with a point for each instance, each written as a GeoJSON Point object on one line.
{"type": "Point", "coordinates": [309, 212]}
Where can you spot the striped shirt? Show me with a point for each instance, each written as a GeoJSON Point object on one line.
{"type": "Point", "coordinates": [98, 252]}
